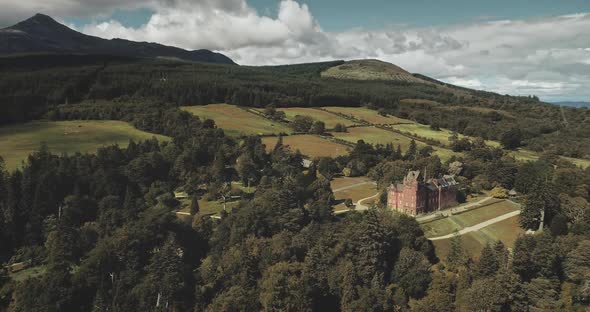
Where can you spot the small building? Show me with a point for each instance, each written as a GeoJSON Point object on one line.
{"type": "Point", "coordinates": [416, 196]}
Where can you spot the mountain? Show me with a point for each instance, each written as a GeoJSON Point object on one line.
{"type": "Point", "coordinates": [371, 70]}
{"type": "Point", "coordinates": [573, 104]}
{"type": "Point", "coordinates": [42, 34]}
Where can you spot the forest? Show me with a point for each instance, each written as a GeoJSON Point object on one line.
{"type": "Point", "coordinates": [31, 86]}
{"type": "Point", "coordinates": [101, 232]}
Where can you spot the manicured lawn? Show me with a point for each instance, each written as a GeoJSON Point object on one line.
{"type": "Point", "coordinates": [367, 114]}
{"type": "Point", "coordinates": [356, 193]}
{"type": "Point", "coordinates": [466, 219]}
{"type": "Point", "coordinates": [236, 121]}
{"type": "Point", "coordinates": [329, 119]}
{"type": "Point", "coordinates": [309, 145]}
{"type": "Point", "coordinates": [18, 141]}
{"type": "Point", "coordinates": [340, 182]}
{"type": "Point", "coordinates": [506, 231]}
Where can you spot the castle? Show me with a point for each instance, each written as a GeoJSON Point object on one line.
{"type": "Point", "coordinates": [416, 196]}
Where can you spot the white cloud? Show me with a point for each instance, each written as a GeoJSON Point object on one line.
{"type": "Point", "coordinates": [547, 56]}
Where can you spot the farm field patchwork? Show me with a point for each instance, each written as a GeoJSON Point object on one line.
{"type": "Point", "coordinates": [329, 119]}
{"type": "Point", "coordinates": [309, 145]}
{"type": "Point", "coordinates": [18, 141]}
{"type": "Point", "coordinates": [367, 115]}
{"type": "Point", "coordinates": [236, 121]}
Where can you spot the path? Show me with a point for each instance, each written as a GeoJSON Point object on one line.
{"type": "Point", "coordinates": [358, 206]}
{"type": "Point", "coordinates": [479, 226]}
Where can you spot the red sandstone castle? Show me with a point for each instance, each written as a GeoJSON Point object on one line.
{"type": "Point", "coordinates": [416, 196]}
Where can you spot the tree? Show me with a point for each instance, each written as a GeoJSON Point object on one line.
{"type": "Point", "coordinates": [319, 127]}
{"type": "Point", "coordinates": [412, 272]}
{"type": "Point", "coordinates": [577, 262]}
{"type": "Point", "coordinates": [280, 288]}
{"type": "Point", "coordinates": [542, 201]}
{"type": "Point", "coordinates": [301, 123]}
{"type": "Point", "coordinates": [194, 207]}
{"type": "Point", "coordinates": [340, 128]}
{"type": "Point", "coordinates": [327, 167]}
{"type": "Point", "coordinates": [488, 262]}
{"type": "Point", "coordinates": [511, 139]}
{"type": "Point", "coordinates": [499, 192]}
{"type": "Point", "coordinates": [412, 151]}
{"type": "Point", "coordinates": [457, 256]}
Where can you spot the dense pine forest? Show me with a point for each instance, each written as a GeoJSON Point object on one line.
{"type": "Point", "coordinates": [102, 231]}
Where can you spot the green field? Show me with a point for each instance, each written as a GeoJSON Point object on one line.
{"type": "Point", "coordinates": [309, 145]}
{"type": "Point", "coordinates": [329, 119]}
{"type": "Point", "coordinates": [466, 219]}
{"type": "Point", "coordinates": [379, 136]}
{"type": "Point", "coordinates": [368, 115]}
{"type": "Point", "coordinates": [424, 131]}
{"type": "Point", "coordinates": [235, 121]}
{"type": "Point", "coordinates": [18, 141]}
{"type": "Point", "coordinates": [507, 230]}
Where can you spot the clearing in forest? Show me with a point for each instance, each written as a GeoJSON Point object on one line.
{"type": "Point", "coordinates": [355, 188]}
{"type": "Point", "coordinates": [236, 121]}
{"type": "Point", "coordinates": [85, 136]}
{"type": "Point", "coordinates": [309, 145]}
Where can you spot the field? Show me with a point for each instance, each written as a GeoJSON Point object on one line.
{"type": "Point", "coordinates": [236, 121]}
{"type": "Point", "coordinates": [329, 119]}
{"type": "Point", "coordinates": [368, 115]}
{"type": "Point", "coordinates": [466, 219]}
{"type": "Point", "coordinates": [379, 136]}
{"type": "Point", "coordinates": [507, 230]}
{"type": "Point", "coordinates": [18, 141]}
{"type": "Point", "coordinates": [425, 132]}
{"type": "Point", "coordinates": [309, 145]}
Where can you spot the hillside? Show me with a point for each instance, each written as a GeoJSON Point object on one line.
{"type": "Point", "coordinates": [371, 70]}
{"type": "Point", "coordinates": [42, 34]}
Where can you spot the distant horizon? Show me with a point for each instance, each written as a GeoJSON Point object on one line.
{"type": "Point", "coordinates": [509, 47]}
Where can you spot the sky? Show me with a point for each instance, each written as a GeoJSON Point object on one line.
{"type": "Point", "coordinates": [518, 47]}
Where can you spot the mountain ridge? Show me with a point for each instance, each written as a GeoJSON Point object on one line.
{"type": "Point", "coordinates": [42, 34]}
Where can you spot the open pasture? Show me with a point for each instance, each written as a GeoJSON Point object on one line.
{"type": "Point", "coordinates": [236, 121]}
{"type": "Point", "coordinates": [379, 136]}
{"type": "Point", "coordinates": [329, 119]}
{"type": "Point", "coordinates": [18, 141]}
{"type": "Point", "coordinates": [308, 145]}
{"type": "Point", "coordinates": [366, 114]}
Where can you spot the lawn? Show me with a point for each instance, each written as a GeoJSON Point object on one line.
{"type": "Point", "coordinates": [466, 219]}
{"type": "Point", "coordinates": [368, 115]}
{"type": "Point", "coordinates": [340, 182]}
{"type": "Point", "coordinates": [18, 141]}
{"type": "Point", "coordinates": [329, 119]}
{"type": "Point", "coordinates": [309, 145]}
{"type": "Point", "coordinates": [236, 121]}
{"type": "Point", "coordinates": [379, 136]}
{"type": "Point", "coordinates": [355, 193]}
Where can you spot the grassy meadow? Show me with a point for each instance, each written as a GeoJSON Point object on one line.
{"type": "Point", "coordinates": [309, 145]}
{"type": "Point", "coordinates": [329, 119]}
{"type": "Point", "coordinates": [368, 115]}
{"type": "Point", "coordinates": [18, 141]}
{"type": "Point", "coordinates": [235, 121]}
